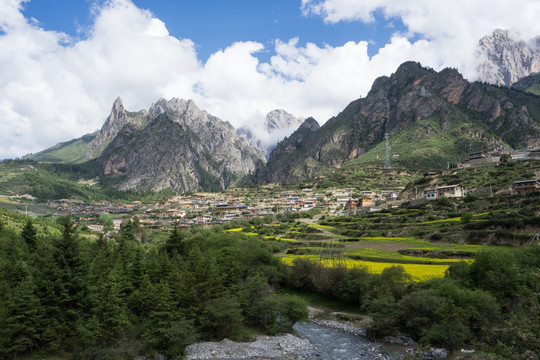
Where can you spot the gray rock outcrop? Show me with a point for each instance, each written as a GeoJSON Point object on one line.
{"type": "Point", "coordinates": [505, 60]}
{"type": "Point", "coordinates": [117, 119]}
{"type": "Point", "coordinates": [181, 147]}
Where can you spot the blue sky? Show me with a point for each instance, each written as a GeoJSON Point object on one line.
{"type": "Point", "coordinates": [216, 24]}
{"type": "Point", "coordinates": [64, 62]}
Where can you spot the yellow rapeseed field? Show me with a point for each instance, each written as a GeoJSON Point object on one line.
{"type": "Point", "coordinates": [419, 272]}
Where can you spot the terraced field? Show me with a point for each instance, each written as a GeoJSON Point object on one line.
{"type": "Point", "coordinates": [420, 258]}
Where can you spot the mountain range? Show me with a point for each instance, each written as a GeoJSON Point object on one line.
{"type": "Point", "coordinates": [431, 118]}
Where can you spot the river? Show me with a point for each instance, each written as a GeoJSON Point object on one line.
{"type": "Point", "coordinates": [334, 344]}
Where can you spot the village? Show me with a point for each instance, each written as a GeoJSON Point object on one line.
{"type": "Point", "coordinates": [270, 200]}
{"type": "Point", "coordinates": [218, 208]}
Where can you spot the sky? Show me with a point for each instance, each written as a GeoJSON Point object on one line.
{"type": "Point", "coordinates": [64, 62]}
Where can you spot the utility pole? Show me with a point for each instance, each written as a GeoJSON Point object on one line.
{"type": "Point", "coordinates": [387, 158]}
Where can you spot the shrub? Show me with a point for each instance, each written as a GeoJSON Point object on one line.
{"type": "Point", "coordinates": [466, 217]}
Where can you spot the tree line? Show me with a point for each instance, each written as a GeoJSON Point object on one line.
{"type": "Point", "coordinates": [115, 298]}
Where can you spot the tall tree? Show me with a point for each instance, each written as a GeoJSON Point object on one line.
{"type": "Point", "coordinates": [28, 233]}
{"type": "Point", "coordinates": [175, 242]}
{"type": "Point", "coordinates": [20, 316]}
{"type": "Point", "coordinates": [72, 272]}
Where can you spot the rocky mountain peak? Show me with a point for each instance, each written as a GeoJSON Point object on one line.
{"type": "Point", "coordinates": [117, 119]}
{"type": "Point", "coordinates": [309, 124]}
{"type": "Point", "coordinates": [418, 107]}
{"type": "Point", "coordinates": [277, 125]}
{"type": "Point", "coordinates": [182, 148]}
{"type": "Point", "coordinates": [278, 120]}
{"type": "Point", "coordinates": [506, 59]}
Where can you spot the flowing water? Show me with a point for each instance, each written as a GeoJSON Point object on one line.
{"type": "Point", "coordinates": [333, 344]}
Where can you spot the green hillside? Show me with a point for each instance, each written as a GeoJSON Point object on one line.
{"type": "Point", "coordinates": [426, 145]}
{"type": "Point", "coordinates": [69, 152]}
{"type": "Point", "coordinates": [44, 181]}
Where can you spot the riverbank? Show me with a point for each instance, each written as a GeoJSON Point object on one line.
{"type": "Point", "coordinates": [263, 348]}
{"type": "Point", "coordinates": [321, 338]}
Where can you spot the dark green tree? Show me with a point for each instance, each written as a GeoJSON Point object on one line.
{"type": "Point", "coordinates": [110, 309]}
{"type": "Point", "coordinates": [20, 317]}
{"type": "Point", "coordinates": [259, 305]}
{"type": "Point", "coordinates": [222, 317]}
{"type": "Point", "coordinates": [28, 233]}
{"type": "Point", "coordinates": [175, 243]}
{"type": "Point", "coordinates": [71, 283]}
{"type": "Point", "coordinates": [167, 331]}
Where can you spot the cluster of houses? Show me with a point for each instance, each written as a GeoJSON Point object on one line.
{"type": "Point", "coordinates": [212, 208]}
{"type": "Point", "coordinates": [73, 206]}
{"type": "Point", "coordinates": [457, 191]}
{"type": "Point", "coordinates": [488, 157]}
{"type": "Point", "coordinates": [493, 156]}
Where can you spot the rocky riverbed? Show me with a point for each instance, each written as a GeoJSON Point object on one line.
{"type": "Point", "coordinates": [320, 339]}
{"type": "Point", "coordinates": [264, 348]}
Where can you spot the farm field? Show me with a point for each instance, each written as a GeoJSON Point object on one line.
{"type": "Point", "coordinates": [425, 239]}
{"type": "Point", "coordinates": [421, 259]}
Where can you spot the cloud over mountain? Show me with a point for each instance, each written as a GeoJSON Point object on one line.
{"type": "Point", "coordinates": [54, 87]}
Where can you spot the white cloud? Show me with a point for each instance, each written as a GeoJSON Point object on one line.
{"type": "Point", "coordinates": [54, 88]}
{"type": "Point", "coordinates": [451, 27]}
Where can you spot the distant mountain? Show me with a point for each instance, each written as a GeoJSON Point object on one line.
{"type": "Point", "coordinates": [505, 60]}
{"type": "Point", "coordinates": [432, 118]}
{"type": "Point", "coordinates": [181, 147]}
{"type": "Point", "coordinates": [287, 151]}
{"type": "Point", "coordinates": [277, 125]}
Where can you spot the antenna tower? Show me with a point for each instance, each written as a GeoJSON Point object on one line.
{"type": "Point", "coordinates": [387, 158]}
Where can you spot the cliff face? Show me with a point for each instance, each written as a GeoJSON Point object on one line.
{"type": "Point", "coordinates": [117, 119]}
{"type": "Point", "coordinates": [472, 114]}
{"type": "Point", "coordinates": [506, 60]}
{"type": "Point", "coordinates": [182, 148]}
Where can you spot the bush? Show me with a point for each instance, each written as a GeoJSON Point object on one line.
{"type": "Point", "coordinates": [466, 217]}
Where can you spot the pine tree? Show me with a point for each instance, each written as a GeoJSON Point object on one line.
{"type": "Point", "coordinates": [28, 233]}
{"type": "Point", "coordinates": [72, 281]}
{"type": "Point", "coordinates": [20, 317]}
{"type": "Point", "coordinates": [110, 309]}
{"type": "Point", "coordinates": [175, 243]}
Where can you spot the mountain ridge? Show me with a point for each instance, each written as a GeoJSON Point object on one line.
{"type": "Point", "coordinates": [474, 115]}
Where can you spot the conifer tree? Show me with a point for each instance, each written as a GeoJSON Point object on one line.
{"type": "Point", "coordinates": [20, 317]}
{"type": "Point", "coordinates": [72, 272]}
{"type": "Point", "coordinates": [28, 233]}
{"type": "Point", "coordinates": [175, 242]}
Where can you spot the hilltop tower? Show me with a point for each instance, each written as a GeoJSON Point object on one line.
{"type": "Point", "coordinates": [387, 158]}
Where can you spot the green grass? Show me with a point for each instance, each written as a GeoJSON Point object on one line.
{"type": "Point", "coordinates": [70, 152]}
{"type": "Point", "coordinates": [47, 181]}
{"type": "Point", "coordinates": [425, 145]}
